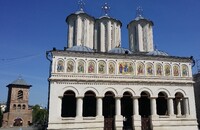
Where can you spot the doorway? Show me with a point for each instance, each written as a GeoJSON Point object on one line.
{"type": "Point", "coordinates": [145, 110]}
{"type": "Point", "coordinates": [109, 110]}
{"type": "Point", "coordinates": [127, 111]}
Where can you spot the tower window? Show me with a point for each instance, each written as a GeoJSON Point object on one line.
{"type": "Point", "coordinates": [20, 95]}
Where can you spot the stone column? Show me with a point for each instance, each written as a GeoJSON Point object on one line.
{"type": "Point", "coordinates": [99, 106]}
{"type": "Point", "coordinates": [153, 106]}
{"type": "Point", "coordinates": [102, 37]}
{"type": "Point", "coordinates": [186, 106]}
{"type": "Point", "coordinates": [59, 105]}
{"type": "Point", "coordinates": [79, 107]}
{"type": "Point", "coordinates": [78, 33]}
{"type": "Point", "coordinates": [178, 107]}
{"type": "Point", "coordinates": [118, 116]}
{"type": "Point", "coordinates": [109, 36]}
{"type": "Point", "coordinates": [136, 117]}
{"type": "Point", "coordinates": [135, 106]}
{"type": "Point", "coordinates": [170, 106]}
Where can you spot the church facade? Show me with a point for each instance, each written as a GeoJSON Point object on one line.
{"type": "Point", "coordinates": [95, 84]}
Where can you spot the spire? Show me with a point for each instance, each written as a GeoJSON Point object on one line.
{"type": "Point", "coordinates": [81, 5]}
{"type": "Point", "coordinates": [106, 9]}
{"type": "Point", "coordinates": [139, 12]}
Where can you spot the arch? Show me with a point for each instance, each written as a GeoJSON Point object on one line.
{"type": "Point", "coordinates": [90, 89]}
{"type": "Point", "coordinates": [146, 90]}
{"type": "Point", "coordinates": [23, 106]}
{"type": "Point", "coordinates": [18, 121]}
{"type": "Point", "coordinates": [14, 106]}
{"type": "Point", "coordinates": [128, 90]}
{"type": "Point", "coordinates": [69, 88]}
{"type": "Point", "coordinates": [114, 91]}
{"type": "Point", "coordinates": [163, 90]}
{"type": "Point", "coordinates": [19, 106]}
{"type": "Point", "coordinates": [180, 91]}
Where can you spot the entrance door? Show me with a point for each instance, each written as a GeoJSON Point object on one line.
{"type": "Point", "coordinates": [18, 122]}
{"type": "Point", "coordinates": [146, 123]}
{"type": "Point", "coordinates": [109, 111]}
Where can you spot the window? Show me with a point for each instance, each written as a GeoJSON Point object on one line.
{"type": "Point", "coordinates": [20, 95]}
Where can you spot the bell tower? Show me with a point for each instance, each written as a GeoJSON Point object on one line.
{"type": "Point", "coordinates": [17, 112]}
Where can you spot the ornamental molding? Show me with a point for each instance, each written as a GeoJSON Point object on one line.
{"type": "Point", "coordinates": [120, 83]}
{"type": "Point", "coordinates": [135, 56]}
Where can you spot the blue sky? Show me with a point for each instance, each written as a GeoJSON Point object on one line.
{"type": "Point", "coordinates": [29, 28]}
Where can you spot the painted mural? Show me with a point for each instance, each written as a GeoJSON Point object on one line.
{"type": "Point", "coordinates": [91, 67]}
{"type": "Point", "coordinates": [111, 68]}
{"type": "Point", "coordinates": [159, 70]}
{"type": "Point", "coordinates": [184, 70]}
{"type": "Point", "coordinates": [140, 69]}
{"type": "Point", "coordinates": [149, 69]}
{"type": "Point", "coordinates": [70, 66]}
{"type": "Point", "coordinates": [125, 68]}
{"type": "Point", "coordinates": [60, 66]}
{"type": "Point", "coordinates": [176, 70]}
{"type": "Point", "coordinates": [81, 68]}
{"type": "Point", "coordinates": [102, 67]}
{"type": "Point", "coordinates": [167, 70]}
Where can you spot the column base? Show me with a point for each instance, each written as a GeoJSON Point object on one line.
{"type": "Point", "coordinates": [136, 122]}
{"type": "Point", "coordinates": [118, 122]}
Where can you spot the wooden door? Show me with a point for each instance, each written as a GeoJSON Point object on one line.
{"type": "Point", "coordinates": [146, 123]}
{"type": "Point", "coordinates": [108, 123]}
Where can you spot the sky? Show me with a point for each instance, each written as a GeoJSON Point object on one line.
{"type": "Point", "coordinates": [29, 28]}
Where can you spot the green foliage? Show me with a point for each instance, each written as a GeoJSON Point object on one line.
{"type": "Point", "coordinates": [1, 118]}
{"type": "Point", "coordinates": [39, 115]}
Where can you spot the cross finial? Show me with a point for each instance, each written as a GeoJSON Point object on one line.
{"type": "Point", "coordinates": [81, 4]}
{"type": "Point", "coordinates": [106, 8]}
{"type": "Point", "coordinates": [139, 12]}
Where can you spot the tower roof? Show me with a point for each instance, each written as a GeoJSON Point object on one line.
{"type": "Point", "coordinates": [80, 49]}
{"type": "Point", "coordinates": [20, 82]}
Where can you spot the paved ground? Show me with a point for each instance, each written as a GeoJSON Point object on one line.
{"type": "Point", "coordinates": [19, 128]}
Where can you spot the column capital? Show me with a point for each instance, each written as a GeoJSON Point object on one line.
{"type": "Point", "coordinates": [60, 97]}
{"type": "Point", "coordinates": [118, 97]}
{"type": "Point", "coordinates": [136, 97]}
{"type": "Point", "coordinates": [153, 97]}
{"type": "Point", "coordinates": [79, 96]}
{"type": "Point", "coordinates": [99, 97]}
{"type": "Point", "coordinates": [170, 97]}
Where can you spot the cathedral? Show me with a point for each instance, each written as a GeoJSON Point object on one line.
{"type": "Point", "coordinates": [95, 84]}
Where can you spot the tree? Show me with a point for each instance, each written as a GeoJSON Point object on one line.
{"type": "Point", "coordinates": [39, 115]}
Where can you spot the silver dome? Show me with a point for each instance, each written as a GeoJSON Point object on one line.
{"type": "Point", "coordinates": [80, 48]}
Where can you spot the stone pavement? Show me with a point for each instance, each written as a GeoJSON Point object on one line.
{"type": "Point", "coordinates": [19, 128]}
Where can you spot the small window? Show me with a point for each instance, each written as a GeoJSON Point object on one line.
{"type": "Point", "coordinates": [14, 107]}
{"type": "Point", "coordinates": [24, 107]}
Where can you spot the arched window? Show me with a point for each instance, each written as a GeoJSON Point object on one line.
{"type": "Point", "coordinates": [179, 104]}
{"type": "Point", "coordinates": [144, 105]}
{"type": "Point", "coordinates": [68, 104]}
{"type": "Point", "coordinates": [89, 104]}
{"type": "Point", "coordinates": [24, 107]}
{"type": "Point", "coordinates": [19, 107]}
{"type": "Point", "coordinates": [20, 95]}
{"type": "Point", "coordinates": [14, 107]}
{"type": "Point", "coordinates": [161, 103]}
